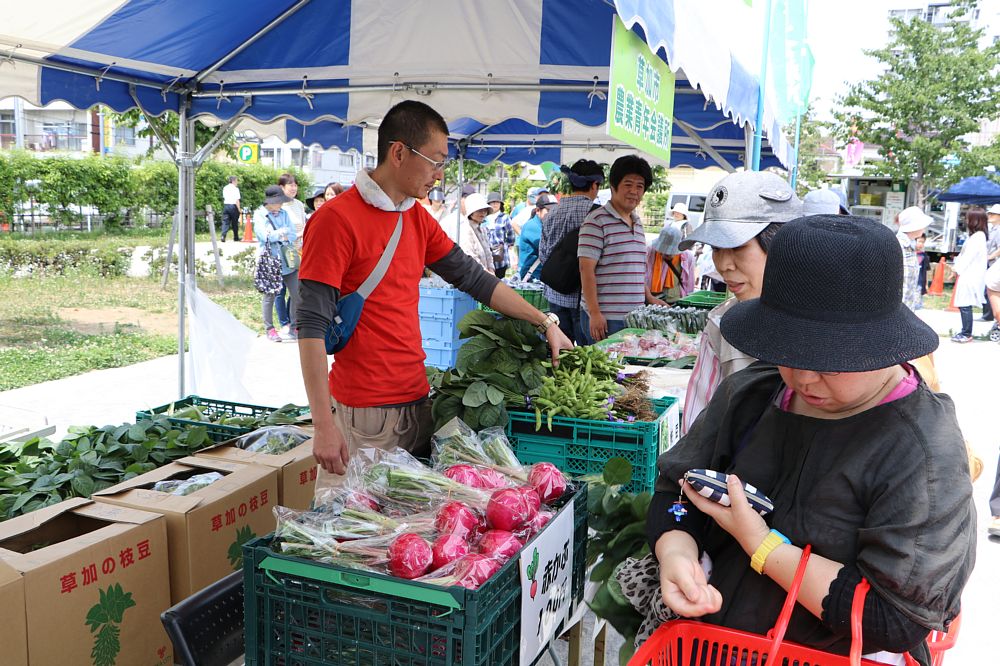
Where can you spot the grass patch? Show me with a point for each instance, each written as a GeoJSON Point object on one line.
{"type": "Point", "coordinates": [36, 345]}
{"type": "Point", "coordinates": [63, 352]}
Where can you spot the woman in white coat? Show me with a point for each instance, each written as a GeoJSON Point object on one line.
{"type": "Point", "coordinates": [970, 266]}
{"type": "Point", "coordinates": [472, 239]}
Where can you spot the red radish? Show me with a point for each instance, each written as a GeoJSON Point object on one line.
{"type": "Point", "coordinates": [475, 569]}
{"type": "Point", "coordinates": [447, 549]}
{"type": "Point", "coordinates": [492, 479]}
{"type": "Point", "coordinates": [548, 481]}
{"type": "Point", "coordinates": [409, 556]}
{"type": "Point", "coordinates": [510, 509]}
{"type": "Point", "coordinates": [466, 475]}
{"type": "Point", "coordinates": [500, 544]}
{"type": "Point", "coordinates": [533, 498]}
{"type": "Point", "coordinates": [534, 526]}
{"type": "Point", "coordinates": [458, 519]}
{"type": "Point", "coordinates": [360, 500]}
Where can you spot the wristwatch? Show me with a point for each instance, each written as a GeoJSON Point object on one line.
{"type": "Point", "coordinates": [547, 322]}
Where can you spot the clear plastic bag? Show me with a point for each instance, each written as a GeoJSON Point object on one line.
{"type": "Point", "coordinates": [456, 443]}
{"type": "Point", "coordinates": [273, 440]}
{"type": "Point", "coordinates": [187, 486]}
{"type": "Point", "coordinates": [400, 482]}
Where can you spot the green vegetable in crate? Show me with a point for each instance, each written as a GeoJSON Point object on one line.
{"type": "Point", "coordinates": [575, 394]}
{"type": "Point", "coordinates": [590, 361]}
{"type": "Point", "coordinates": [89, 459]}
{"type": "Point", "coordinates": [499, 364]}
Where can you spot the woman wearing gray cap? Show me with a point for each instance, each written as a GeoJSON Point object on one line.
{"type": "Point", "coordinates": [742, 214]}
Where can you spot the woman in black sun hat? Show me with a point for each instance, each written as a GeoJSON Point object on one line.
{"type": "Point", "coordinates": [860, 458]}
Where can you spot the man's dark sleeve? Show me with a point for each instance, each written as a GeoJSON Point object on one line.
{"type": "Point", "coordinates": [316, 308]}
{"type": "Point", "coordinates": [466, 274]}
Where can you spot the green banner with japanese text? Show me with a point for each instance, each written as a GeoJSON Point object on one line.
{"type": "Point", "coordinates": [641, 87]}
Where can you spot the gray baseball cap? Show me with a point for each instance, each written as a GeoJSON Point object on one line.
{"type": "Point", "coordinates": [741, 205]}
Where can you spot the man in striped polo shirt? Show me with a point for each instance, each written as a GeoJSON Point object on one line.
{"type": "Point", "coordinates": [612, 253]}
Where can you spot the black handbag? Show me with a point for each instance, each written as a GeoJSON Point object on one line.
{"type": "Point", "coordinates": [562, 269]}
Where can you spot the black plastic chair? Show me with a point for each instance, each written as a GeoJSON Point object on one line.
{"type": "Point", "coordinates": [207, 627]}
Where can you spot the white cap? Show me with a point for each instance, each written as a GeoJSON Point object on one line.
{"type": "Point", "coordinates": [680, 207]}
{"type": "Point", "coordinates": [914, 219]}
{"type": "Point", "coordinates": [993, 210]}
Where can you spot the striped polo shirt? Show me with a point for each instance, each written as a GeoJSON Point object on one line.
{"type": "Point", "coordinates": [620, 253]}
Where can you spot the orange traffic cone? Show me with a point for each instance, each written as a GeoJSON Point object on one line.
{"type": "Point", "coordinates": [248, 232]}
{"type": "Point", "coordinates": [937, 284]}
{"type": "Point", "coordinates": [951, 305]}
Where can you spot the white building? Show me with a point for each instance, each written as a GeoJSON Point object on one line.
{"type": "Point", "coordinates": [60, 127]}
{"type": "Point", "coordinates": [324, 165]}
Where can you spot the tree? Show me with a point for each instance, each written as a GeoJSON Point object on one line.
{"type": "Point", "coordinates": [937, 86]}
{"type": "Point", "coordinates": [170, 122]}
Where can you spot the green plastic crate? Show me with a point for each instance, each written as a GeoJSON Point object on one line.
{"type": "Point", "coordinates": [305, 613]}
{"type": "Point", "coordinates": [535, 297]}
{"type": "Point", "coordinates": [703, 299]}
{"type": "Point", "coordinates": [216, 431]}
{"type": "Point", "coordinates": [581, 446]}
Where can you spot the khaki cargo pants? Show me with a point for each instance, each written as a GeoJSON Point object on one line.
{"type": "Point", "coordinates": [407, 427]}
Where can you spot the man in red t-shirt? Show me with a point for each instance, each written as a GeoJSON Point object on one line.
{"type": "Point", "coordinates": [377, 382]}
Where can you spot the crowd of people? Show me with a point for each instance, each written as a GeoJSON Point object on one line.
{"type": "Point", "coordinates": [814, 380]}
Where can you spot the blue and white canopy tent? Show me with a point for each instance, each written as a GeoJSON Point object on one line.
{"type": "Point", "coordinates": [539, 61]}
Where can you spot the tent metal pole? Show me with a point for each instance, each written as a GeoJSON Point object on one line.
{"type": "Point", "coordinates": [418, 88]}
{"type": "Point", "coordinates": [795, 161]}
{"type": "Point", "coordinates": [182, 196]}
{"type": "Point", "coordinates": [712, 152]}
{"type": "Point", "coordinates": [192, 168]}
{"type": "Point", "coordinates": [461, 184]}
{"type": "Point", "coordinates": [154, 124]}
{"type": "Point", "coordinates": [220, 135]}
{"type": "Point", "coordinates": [77, 69]}
{"type": "Point", "coordinates": [202, 75]}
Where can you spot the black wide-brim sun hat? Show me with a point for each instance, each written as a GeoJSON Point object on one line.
{"type": "Point", "coordinates": [831, 300]}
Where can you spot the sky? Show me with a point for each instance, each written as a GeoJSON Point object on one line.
{"type": "Point", "coordinates": [838, 34]}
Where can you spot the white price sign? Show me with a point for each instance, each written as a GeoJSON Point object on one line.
{"type": "Point", "coordinates": [546, 584]}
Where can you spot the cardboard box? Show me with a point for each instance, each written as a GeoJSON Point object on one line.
{"type": "Point", "coordinates": [13, 624]}
{"type": "Point", "coordinates": [206, 530]}
{"type": "Point", "coordinates": [94, 584]}
{"type": "Point", "coordinates": [296, 469]}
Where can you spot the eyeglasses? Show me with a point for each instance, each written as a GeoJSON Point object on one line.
{"type": "Point", "coordinates": [438, 166]}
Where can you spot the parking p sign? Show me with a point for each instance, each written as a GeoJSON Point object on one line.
{"type": "Point", "coordinates": [248, 152]}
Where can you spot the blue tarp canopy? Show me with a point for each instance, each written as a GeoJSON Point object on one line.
{"type": "Point", "coordinates": [537, 61]}
{"type": "Point", "coordinates": [974, 190]}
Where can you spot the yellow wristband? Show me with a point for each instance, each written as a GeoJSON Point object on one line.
{"type": "Point", "coordinates": [773, 539]}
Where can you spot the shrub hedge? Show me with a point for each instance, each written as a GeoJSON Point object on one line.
{"type": "Point", "coordinates": [57, 257]}
{"type": "Point", "coordinates": [118, 187]}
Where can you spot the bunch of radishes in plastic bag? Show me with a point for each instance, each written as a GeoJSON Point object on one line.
{"type": "Point", "coordinates": [454, 524]}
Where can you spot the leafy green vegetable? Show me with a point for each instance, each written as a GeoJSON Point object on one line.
{"type": "Point", "coordinates": [618, 531]}
{"type": "Point", "coordinates": [40, 472]}
{"type": "Point", "coordinates": [498, 367]}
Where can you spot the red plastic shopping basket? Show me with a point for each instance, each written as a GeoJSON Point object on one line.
{"type": "Point", "coordinates": [691, 643]}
